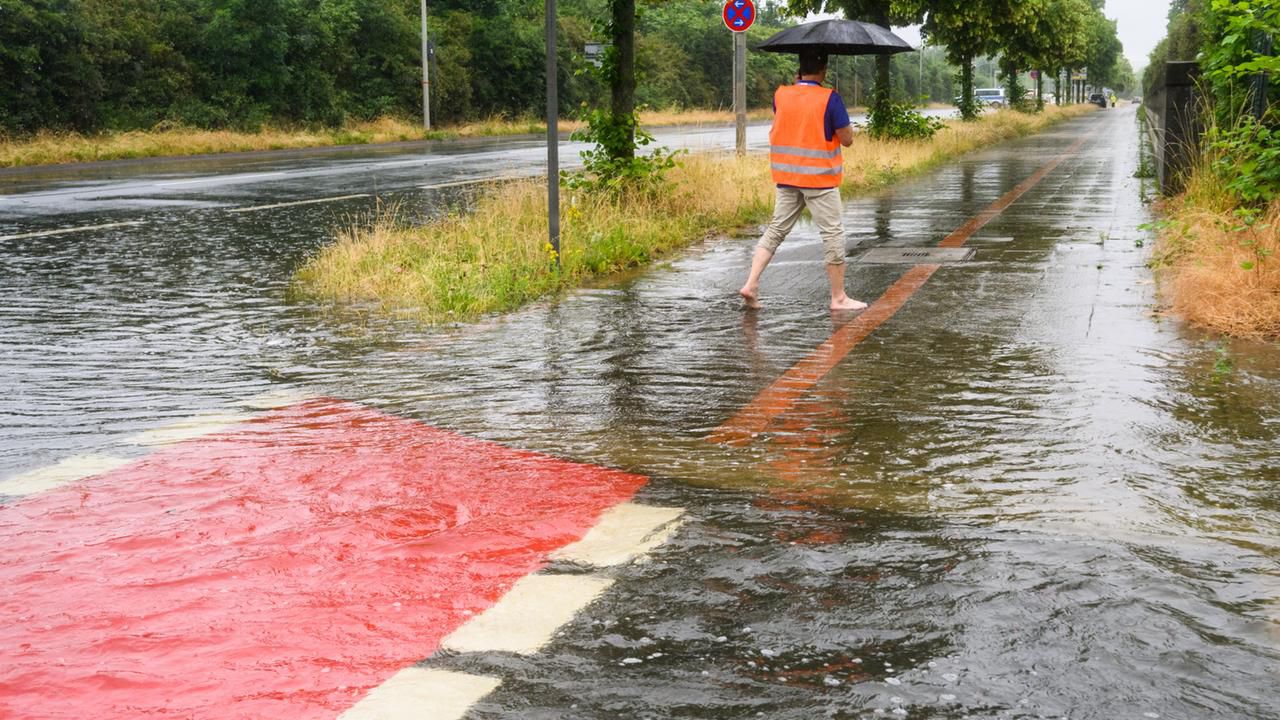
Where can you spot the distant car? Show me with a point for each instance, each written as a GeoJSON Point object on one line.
{"type": "Point", "coordinates": [1098, 99]}
{"type": "Point", "coordinates": [1137, 99]}
{"type": "Point", "coordinates": [987, 97]}
{"type": "Point", "coordinates": [991, 97]}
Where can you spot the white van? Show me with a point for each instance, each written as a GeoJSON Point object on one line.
{"type": "Point", "coordinates": [991, 97]}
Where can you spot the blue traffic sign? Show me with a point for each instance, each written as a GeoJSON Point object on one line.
{"type": "Point", "coordinates": [739, 14]}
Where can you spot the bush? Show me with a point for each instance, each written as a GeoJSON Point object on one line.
{"type": "Point", "coordinates": [1248, 160]}
{"type": "Point", "coordinates": [613, 165]}
{"type": "Point", "coordinates": [900, 121]}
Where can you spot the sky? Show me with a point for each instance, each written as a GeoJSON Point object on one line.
{"type": "Point", "coordinates": [1140, 23]}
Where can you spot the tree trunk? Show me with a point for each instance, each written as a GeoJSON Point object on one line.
{"type": "Point", "coordinates": [880, 102]}
{"type": "Point", "coordinates": [1012, 89]}
{"type": "Point", "coordinates": [622, 83]}
{"type": "Point", "coordinates": [968, 108]}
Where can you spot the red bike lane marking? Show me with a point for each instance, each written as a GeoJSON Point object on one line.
{"type": "Point", "coordinates": [785, 392]}
{"type": "Point", "coordinates": [278, 569]}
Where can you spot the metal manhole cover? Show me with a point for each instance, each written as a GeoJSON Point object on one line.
{"type": "Point", "coordinates": [915, 255]}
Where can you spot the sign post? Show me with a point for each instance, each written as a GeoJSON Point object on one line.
{"type": "Point", "coordinates": [426, 79]}
{"type": "Point", "coordinates": [553, 136]}
{"type": "Point", "coordinates": [738, 17]}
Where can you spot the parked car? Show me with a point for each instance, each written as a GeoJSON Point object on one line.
{"type": "Point", "coordinates": [987, 97]}
{"type": "Point", "coordinates": [1098, 99]}
{"type": "Point", "coordinates": [991, 97]}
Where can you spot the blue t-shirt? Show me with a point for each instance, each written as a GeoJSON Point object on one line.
{"type": "Point", "coordinates": [837, 116]}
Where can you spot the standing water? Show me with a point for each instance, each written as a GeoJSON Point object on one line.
{"type": "Point", "coordinates": [1025, 495]}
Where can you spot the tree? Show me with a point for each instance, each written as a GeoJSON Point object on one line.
{"type": "Point", "coordinates": [968, 29]}
{"type": "Point", "coordinates": [622, 77]}
{"type": "Point", "coordinates": [1040, 34]}
{"type": "Point", "coordinates": [47, 75]}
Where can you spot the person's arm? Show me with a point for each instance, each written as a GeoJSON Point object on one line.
{"type": "Point", "coordinates": [838, 124]}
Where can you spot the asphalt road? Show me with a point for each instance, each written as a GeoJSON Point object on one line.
{"type": "Point", "coordinates": [58, 198]}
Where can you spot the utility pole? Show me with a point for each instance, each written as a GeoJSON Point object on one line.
{"type": "Point", "coordinates": [920, 84]}
{"type": "Point", "coordinates": [857, 88]}
{"type": "Point", "coordinates": [553, 136]}
{"type": "Point", "coordinates": [1261, 83]}
{"type": "Point", "coordinates": [426, 79]}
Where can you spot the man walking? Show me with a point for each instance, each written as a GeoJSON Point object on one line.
{"type": "Point", "coordinates": [810, 124]}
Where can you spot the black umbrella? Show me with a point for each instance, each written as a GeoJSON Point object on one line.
{"type": "Point", "coordinates": [836, 37]}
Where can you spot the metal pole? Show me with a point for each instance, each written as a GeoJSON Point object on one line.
{"type": "Point", "coordinates": [1261, 83]}
{"type": "Point", "coordinates": [426, 80]}
{"type": "Point", "coordinates": [553, 136]}
{"type": "Point", "coordinates": [740, 89]}
{"type": "Point", "coordinates": [920, 86]}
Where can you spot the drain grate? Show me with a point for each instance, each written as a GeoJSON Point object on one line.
{"type": "Point", "coordinates": [915, 255]}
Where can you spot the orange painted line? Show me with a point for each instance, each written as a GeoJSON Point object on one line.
{"type": "Point", "coordinates": [993, 211]}
{"type": "Point", "coordinates": [795, 383]}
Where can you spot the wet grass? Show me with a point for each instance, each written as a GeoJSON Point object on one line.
{"type": "Point", "coordinates": [495, 257]}
{"type": "Point", "coordinates": [1217, 263]}
{"type": "Point", "coordinates": [50, 148]}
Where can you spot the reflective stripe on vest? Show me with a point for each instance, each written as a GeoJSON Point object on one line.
{"type": "Point", "coordinates": [799, 152]}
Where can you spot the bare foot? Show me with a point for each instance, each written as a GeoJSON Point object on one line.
{"type": "Point", "coordinates": [750, 296]}
{"type": "Point", "coordinates": [848, 303]}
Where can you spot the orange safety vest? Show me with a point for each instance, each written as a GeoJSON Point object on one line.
{"type": "Point", "coordinates": [799, 151]}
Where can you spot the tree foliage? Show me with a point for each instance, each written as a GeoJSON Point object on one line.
{"type": "Point", "coordinates": [125, 64]}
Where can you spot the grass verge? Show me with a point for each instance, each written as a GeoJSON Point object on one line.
{"type": "Point", "coordinates": [495, 257]}
{"type": "Point", "coordinates": [1219, 264]}
{"type": "Point", "coordinates": [49, 148]}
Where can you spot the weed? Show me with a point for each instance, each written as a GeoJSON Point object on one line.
{"type": "Point", "coordinates": [1223, 366]}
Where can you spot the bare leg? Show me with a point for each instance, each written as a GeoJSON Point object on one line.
{"type": "Point", "coordinates": [751, 291]}
{"type": "Point", "coordinates": [840, 301]}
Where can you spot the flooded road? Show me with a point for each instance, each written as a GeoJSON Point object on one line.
{"type": "Point", "coordinates": [1023, 495]}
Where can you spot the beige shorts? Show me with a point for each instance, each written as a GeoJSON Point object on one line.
{"type": "Point", "coordinates": [824, 206]}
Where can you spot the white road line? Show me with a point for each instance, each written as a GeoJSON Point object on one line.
{"type": "Point", "coordinates": [222, 178]}
{"type": "Point", "coordinates": [420, 694]}
{"type": "Point", "coordinates": [64, 231]}
{"type": "Point", "coordinates": [189, 428]}
{"type": "Point", "coordinates": [625, 532]}
{"type": "Point", "coordinates": [481, 181]}
{"type": "Point", "coordinates": [525, 618]}
{"type": "Point", "coordinates": [276, 399]}
{"type": "Point", "coordinates": [67, 471]}
{"type": "Point", "coordinates": [339, 198]}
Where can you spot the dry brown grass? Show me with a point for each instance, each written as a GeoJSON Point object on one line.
{"type": "Point", "coordinates": [50, 148]}
{"type": "Point", "coordinates": [496, 258]}
{"type": "Point", "coordinates": [1217, 271]}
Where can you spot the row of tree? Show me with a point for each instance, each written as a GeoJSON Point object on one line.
{"type": "Point", "coordinates": [1051, 36]}
{"type": "Point", "coordinates": [122, 64]}
{"type": "Point", "coordinates": [90, 64]}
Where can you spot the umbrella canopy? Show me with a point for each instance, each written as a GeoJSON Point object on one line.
{"type": "Point", "coordinates": [836, 37]}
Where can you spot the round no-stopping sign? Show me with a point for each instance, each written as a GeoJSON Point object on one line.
{"type": "Point", "coordinates": [739, 14]}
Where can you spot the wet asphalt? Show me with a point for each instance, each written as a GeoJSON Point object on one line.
{"type": "Point", "coordinates": [1027, 494]}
